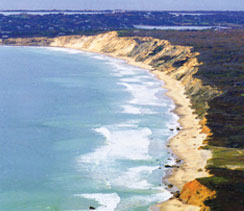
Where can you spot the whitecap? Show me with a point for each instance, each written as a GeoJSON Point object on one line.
{"type": "Point", "coordinates": [173, 122]}
{"type": "Point", "coordinates": [99, 57]}
{"type": "Point", "coordinates": [66, 50]}
{"type": "Point", "coordinates": [139, 201]}
{"type": "Point", "coordinates": [105, 132]}
{"type": "Point", "coordinates": [135, 178]}
{"type": "Point", "coordinates": [130, 109]}
{"type": "Point", "coordinates": [129, 144]}
{"type": "Point", "coordinates": [108, 201]}
{"type": "Point", "coordinates": [123, 69]}
{"type": "Point", "coordinates": [134, 79]}
{"type": "Point", "coordinates": [142, 95]}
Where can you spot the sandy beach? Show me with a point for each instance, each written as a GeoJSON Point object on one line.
{"type": "Point", "coordinates": [185, 145]}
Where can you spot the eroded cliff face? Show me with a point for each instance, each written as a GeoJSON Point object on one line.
{"type": "Point", "coordinates": [195, 193]}
{"type": "Point", "coordinates": [179, 62]}
{"type": "Point", "coordinates": [37, 41]}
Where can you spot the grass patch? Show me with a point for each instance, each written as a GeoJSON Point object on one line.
{"type": "Point", "coordinates": [227, 158]}
{"type": "Point", "coordinates": [213, 182]}
{"type": "Point", "coordinates": [156, 50]}
{"type": "Point", "coordinates": [229, 187]}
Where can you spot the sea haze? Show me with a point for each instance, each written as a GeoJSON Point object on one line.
{"type": "Point", "coordinates": [80, 129]}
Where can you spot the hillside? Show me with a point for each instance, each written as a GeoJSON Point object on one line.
{"type": "Point", "coordinates": [210, 66]}
{"type": "Point", "coordinates": [221, 54]}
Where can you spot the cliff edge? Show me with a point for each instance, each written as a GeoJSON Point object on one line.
{"type": "Point", "coordinates": [179, 63]}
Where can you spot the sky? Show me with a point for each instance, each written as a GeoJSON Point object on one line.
{"type": "Point", "coordinates": [125, 4]}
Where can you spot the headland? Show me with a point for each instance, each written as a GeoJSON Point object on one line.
{"type": "Point", "coordinates": [175, 65]}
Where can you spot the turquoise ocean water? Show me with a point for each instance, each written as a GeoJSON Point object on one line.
{"type": "Point", "coordinates": [78, 130]}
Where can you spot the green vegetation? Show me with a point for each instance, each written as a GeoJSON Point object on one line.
{"type": "Point", "coordinates": [26, 24]}
{"type": "Point", "coordinates": [156, 50]}
{"type": "Point", "coordinates": [229, 187]}
{"type": "Point", "coordinates": [213, 182]}
{"type": "Point", "coordinates": [222, 69]}
{"type": "Point", "coordinates": [221, 55]}
{"type": "Point", "coordinates": [226, 158]}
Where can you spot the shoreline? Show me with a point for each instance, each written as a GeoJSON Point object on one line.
{"type": "Point", "coordinates": [185, 142]}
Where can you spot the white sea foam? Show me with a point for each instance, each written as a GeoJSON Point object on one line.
{"type": "Point", "coordinates": [139, 79]}
{"type": "Point", "coordinates": [142, 95]}
{"type": "Point", "coordinates": [134, 79]}
{"type": "Point", "coordinates": [171, 161]}
{"type": "Point", "coordinates": [171, 106]}
{"type": "Point", "coordinates": [105, 132]}
{"type": "Point", "coordinates": [141, 201]}
{"type": "Point", "coordinates": [130, 109]}
{"type": "Point", "coordinates": [66, 50]}
{"type": "Point", "coordinates": [127, 141]}
{"type": "Point", "coordinates": [146, 77]}
{"type": "Point", "coordinates": [131, 144]}
{"type": "Point", "coordinates": [135, 178]}
{"type": "Point", "coordinates": [99, 57]}
{"type": "Point", "coordinates": [122, 69]}
{"type": "Point", "coordinates": [150, 83]}
{"type": "Point", "coordinates": [173, 122]}
{"type": "Point", "coordinates": [108, 201]}
{"type": "Point", "coordinates": [129, 124]}
{"type": "Point", "coordinates": [125, 72]}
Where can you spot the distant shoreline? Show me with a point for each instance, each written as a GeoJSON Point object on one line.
{"type": "Point", "coordinates": [185, 143]}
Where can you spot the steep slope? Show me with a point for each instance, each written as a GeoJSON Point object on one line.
{"type": "Point", "coordinates": [178, 62]}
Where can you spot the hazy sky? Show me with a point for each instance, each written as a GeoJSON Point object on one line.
{"type": "Point", "coordinates": [125, 4]}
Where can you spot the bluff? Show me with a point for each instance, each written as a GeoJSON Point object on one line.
{"type": "Point", "coordinates": [178, 62]}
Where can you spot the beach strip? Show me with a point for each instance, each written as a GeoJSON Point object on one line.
{"type": "Point", "coordinates": [185, 145]}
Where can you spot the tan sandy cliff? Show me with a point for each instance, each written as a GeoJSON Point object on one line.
{"type": "Point", "coordinates": [176, 65]}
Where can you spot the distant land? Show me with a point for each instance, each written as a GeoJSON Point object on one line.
{"type": "Point", "coordinates": [51, 23]}
{"type": "Point", "coordinates": [215, 84]}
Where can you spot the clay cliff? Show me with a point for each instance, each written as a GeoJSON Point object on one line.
{"type": "Point", "coordinates": [179, 62]}
{"type": "Point", "coordinates": [195, 193]}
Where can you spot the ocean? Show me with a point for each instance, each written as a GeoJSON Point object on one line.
{"type": "Point", "coordinates": [81, 130]}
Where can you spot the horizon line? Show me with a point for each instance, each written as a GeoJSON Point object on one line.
{"type": "Point", "coordinates": [81, 10]}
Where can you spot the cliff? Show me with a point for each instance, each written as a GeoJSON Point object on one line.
{"type": "Point", "coordinates": [195, 193]}
{"type": "Point", "coordinates": [177, 62]}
